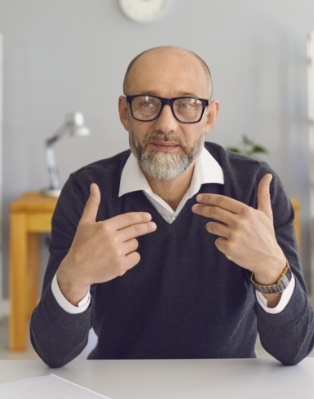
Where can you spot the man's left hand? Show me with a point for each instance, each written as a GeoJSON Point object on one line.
{"type": "Point", "coordinates": [246, 235]}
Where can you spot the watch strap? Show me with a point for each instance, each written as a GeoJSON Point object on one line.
{"type": "Point", "coordinates": [280, 285]}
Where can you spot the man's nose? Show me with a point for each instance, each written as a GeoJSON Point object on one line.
{"type": "Point", "coordinates": [166, 122]}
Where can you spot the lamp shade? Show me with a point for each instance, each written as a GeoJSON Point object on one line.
{"type": "Point", "coordinates": [77, 126]}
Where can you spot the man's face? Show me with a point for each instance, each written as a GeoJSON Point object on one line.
{"type": "Point", "coordinates": [165, 147]}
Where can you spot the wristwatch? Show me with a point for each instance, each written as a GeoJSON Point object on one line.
{"type": "Point", "coordinates": [280, 285]}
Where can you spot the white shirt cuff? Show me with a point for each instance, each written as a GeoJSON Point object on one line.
{"type": "Point", "coordinates": [64, 303]}
{"type": "Point", "coordinates": [284, 300]}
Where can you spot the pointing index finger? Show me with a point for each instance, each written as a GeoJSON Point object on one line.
{"type": "Point", "coordinates": [129, 219]}
{"type": "Point", "coordinates": [220, 201]}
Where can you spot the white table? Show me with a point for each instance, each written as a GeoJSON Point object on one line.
{"type": "Point", "coordinates": [178, 379]}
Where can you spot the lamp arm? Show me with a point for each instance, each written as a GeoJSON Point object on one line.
{"type": "Point", "coordinates": [52, 168]}
{"type": "Point", "coordinates": [58, 134]}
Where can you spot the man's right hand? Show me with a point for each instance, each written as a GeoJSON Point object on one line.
{"type": "Point", "coordinates": [101, 250]}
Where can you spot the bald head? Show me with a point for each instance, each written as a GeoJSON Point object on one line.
{"type": "Point", "coordinates": [159, 53]}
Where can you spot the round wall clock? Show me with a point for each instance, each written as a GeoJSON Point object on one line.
{"type": "Point", "coordinates": [145, 11]}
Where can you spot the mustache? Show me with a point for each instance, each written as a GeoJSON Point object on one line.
{"type": "Point", "coordinates": [159, 136]}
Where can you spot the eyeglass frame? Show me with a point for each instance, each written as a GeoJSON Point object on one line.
{"type": "Point", "coordinates": [166, 101]}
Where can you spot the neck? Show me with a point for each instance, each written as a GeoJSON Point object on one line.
{"type": "Point", "coordinates": [172, 190]}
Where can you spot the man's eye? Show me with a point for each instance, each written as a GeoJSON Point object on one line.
{"type": "Point", "coordinates": [186, 105]}
{"type": "Point", "coordinates": [146, 104]}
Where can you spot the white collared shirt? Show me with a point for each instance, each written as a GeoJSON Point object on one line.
{"type": "Point", "coordinates": [206, 170]}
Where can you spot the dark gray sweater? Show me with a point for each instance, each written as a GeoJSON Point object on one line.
{"type": "Point", "coordinates": [184, 299]}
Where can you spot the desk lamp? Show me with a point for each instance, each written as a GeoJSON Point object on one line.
{"type": "Point", "coordinates": [74, 125]}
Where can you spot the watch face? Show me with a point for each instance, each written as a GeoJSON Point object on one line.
{"type": "Point", "coordinates": [144, 11]}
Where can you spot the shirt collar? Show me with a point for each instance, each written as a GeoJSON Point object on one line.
{"type": "Point", "coordinates": [207, 170]}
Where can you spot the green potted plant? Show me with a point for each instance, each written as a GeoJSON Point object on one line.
{"type": "Point", "coordinates": [249, 148]}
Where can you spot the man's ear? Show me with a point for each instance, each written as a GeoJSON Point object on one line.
{"type": "Point", "coordinates": [124, 113]}
{"type": "Point", "coordinates": [212, 113]}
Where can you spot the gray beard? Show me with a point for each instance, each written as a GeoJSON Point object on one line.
{"type": "Point", "coordinates": [161, 165]}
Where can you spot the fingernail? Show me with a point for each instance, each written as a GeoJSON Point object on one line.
{"type": "Point", "coordinates": [148, 216]}
{"type": "Point", "coordinates": [199, 197]}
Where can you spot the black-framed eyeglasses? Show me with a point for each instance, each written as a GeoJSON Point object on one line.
{"type": "Point", "coordinates": [147, 108]}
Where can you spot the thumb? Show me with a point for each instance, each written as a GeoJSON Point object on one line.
{"type": "Point", "coordinates": [263, 195]}
{"type": "Point", "coordinates": [92, 205]}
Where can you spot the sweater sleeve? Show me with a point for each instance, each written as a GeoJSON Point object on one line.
{"type": "Point", "coordinates": [57, 335]}
{"type": "Point", "coordinates": [289, 334]}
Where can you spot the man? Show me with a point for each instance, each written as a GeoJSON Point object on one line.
{"type": "Point", "coordinates": [178, 249]}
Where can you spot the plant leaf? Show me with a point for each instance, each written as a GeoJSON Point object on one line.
{"type": "Point", "coordinates": [234, 149]}
{"type": "Point", "coordinates": [259, 149]}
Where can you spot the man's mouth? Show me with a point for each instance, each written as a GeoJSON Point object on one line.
{"type": "Point", "coordinates": [165, 146]}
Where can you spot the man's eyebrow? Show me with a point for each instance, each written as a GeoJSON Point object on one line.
{"type": "Point", "coordinates": [179, 94]}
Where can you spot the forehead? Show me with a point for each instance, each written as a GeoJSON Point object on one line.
{"type": "Point", "coordinates": [168, 73]}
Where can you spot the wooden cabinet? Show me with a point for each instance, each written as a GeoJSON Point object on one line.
{"type": "Point", "coordinates": [297, 221]}
{"type": "Point", "coordinates": [30, 215]}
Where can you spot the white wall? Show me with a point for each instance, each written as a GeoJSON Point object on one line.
{"type": "Point", "coordinates": [1, 85]}
{"type": "Point", "coordinates": [66, 55]}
